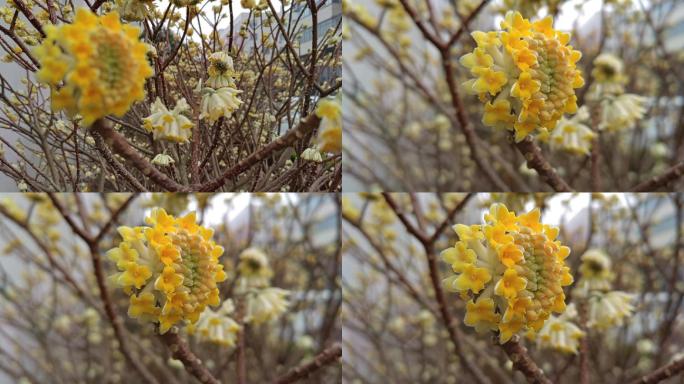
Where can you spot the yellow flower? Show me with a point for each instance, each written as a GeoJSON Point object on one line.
{"type": "Point", "coordinates": [481, 315]}
{"type": "Point", "coordinates": [510, 284]}
{"type": "Point", "coordinates": [530, 67]}
{"type": "Point", "coordinates": [170, 269]}
{"type": "Point", "coordinates": [525, 87]}
{"type": "Point", "coordinates": [330, 132]}
{"type": "Point", "coordinates": [168, 281]}
{"type": "Point", "coordinates": [134, 275]}
{"type": "Point", "coordinates": [489, 81]}
{"type": "Point", "coordinates": [95, 66]}
{"type": "Point", "coordinates": [143, 306]}
{"type": "Point", "coordinates": [498, 114]}
{"type": "Point", "coordinates": [472, 278]}
{"type": "Point", "coordinates": [512, 267]}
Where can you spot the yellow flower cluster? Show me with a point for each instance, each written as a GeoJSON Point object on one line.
{"type": "Point", "coordinates": [330, 133]}
{"type": "Point", "coordinates": [169, 268]}
{"type": "Point", "coordinates": [95, 66]}
{"type": "Point", "coordinates": [511, 269]}
{"type": "Point", "coordinates": [525, 75]}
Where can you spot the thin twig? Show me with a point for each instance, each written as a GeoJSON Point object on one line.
{"type": "Point", "coordinates": [523, 362]}
{"type": "Point", "coordinates": [180, 351]}
{"type": "Point", "coordinates": [536, 161]}
{"type": "Point", "coordinates": [662, 373]}
{"type": "Point", "coordinates": [327, 356]}
{"type": "Point", "coordinates": [656, 182]}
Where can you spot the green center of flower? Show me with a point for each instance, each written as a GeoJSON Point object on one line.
{"type": "Point", "coordinates": [112, 58]}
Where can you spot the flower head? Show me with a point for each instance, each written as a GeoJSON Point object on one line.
{"type": "Point", "coordinates": [595, 272]}
{"type": "Point", "coordinates": [621, 112]}
{"type": "Point", "coordinates": [95, 66]}
{"type": "Point", "coordinates": [525, 75]}
{"type": "Point", "coordinates": [254, 269]}
{"type": "Point", "coordinates": [608, 68]}
{"type": "Point", "coordinates": [163, 160]}
{"type": "Point", "coordinates": [134, 10]}
{"type": "Point", "coordinates": [560, 333]}
{"type": "Point", "coordinates": [169, 268]}
{"type": "Point", "coordinates": [217, 327]}
{"type": "Point", "coordinates": [266, 304]}
{"type": "Point", "coordinates": [221, 71]}
{"type": "Point", "coordinates": [511, 268]}
{"type": "Point", "coordinates": [312, 154]}
{"type": "Point", "coordinates": [571, 135]}
{"type": "Point", "coordinates": [609, 309]}
{"type": "Point", "coordinates": [218, 103]}
{"type": "Point", "coordinates": [167, 124]}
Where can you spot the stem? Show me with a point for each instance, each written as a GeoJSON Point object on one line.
{"type": "Point", "coordinates": [523, 363]}
{"type": "Point", "coordinates": [662, 373]}
{"type": "Point", "coordinates": [192, 364]}
{"type": "Point", "coordinates": [327, 356]}
{"type": "Point", "coordinates": [536, 160]}
{"type": "Point", "coordinates": [659, 181]}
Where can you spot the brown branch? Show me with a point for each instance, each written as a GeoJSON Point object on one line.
{"type": "Point", "coordinates": [536, 160]}
{"type": "Point", "coordinates": [326, 357]}
{"type": "Point", "coordinates": [29, 15]}
{"type": "Point", "coordinates": [305, 126]}
{"type": "Point", "coordinates": [522, 361]}
{"type": "Point", "coordinates": [662, 373]}
{"type": "Point", "coordinates": [656, 182]}
{"type": "Point", "coordinates": [114, 319]}
{"type": "Point", "coordinates": [241, 363]}
{"type": "Point", "coordinates": [180, 351]}
{"type": "Point", "coordinates": [584, 344]}
{"type": "Point", "coordinates": [120, 145]}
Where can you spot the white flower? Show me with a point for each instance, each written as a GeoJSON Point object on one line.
{"type": "Point", "coordinates": [621, 112]}
{"type": "Point", "coordinates": [253, 269]}
{"type": "Point", "coordinates": [312, 154]}
{"type": "Point", "coordinates": [163, 160]}
{"type": "Point", "coordinates": [560, 333]}
{"type": "Point", "coordinates": [571, 135]}
{"type": "Point", "coordinates": [659, 150]}
{"type": "Point", "coordinates": [22, 186]}
{"type": "Point", "coordinates": [169, 125]}
{"type": "Point", "coordinates": [527, 171]}
{"type": "Point", "coordinates": [595, 272]}
{"type": "Point", "coordinates": [266, 304]}
{"type": "Point", "coordinates": [219, 102]}
{"type": "Point", "coordinates": [609, 309]}
{"type": "Point", "coordinates": [133, 10]}
{"type": "Point", "coordinates": [607, 68]}
{"type": "Point", "coordinates": [221, 71]}
{"type": "Point", "coordinates": [217, 327]}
